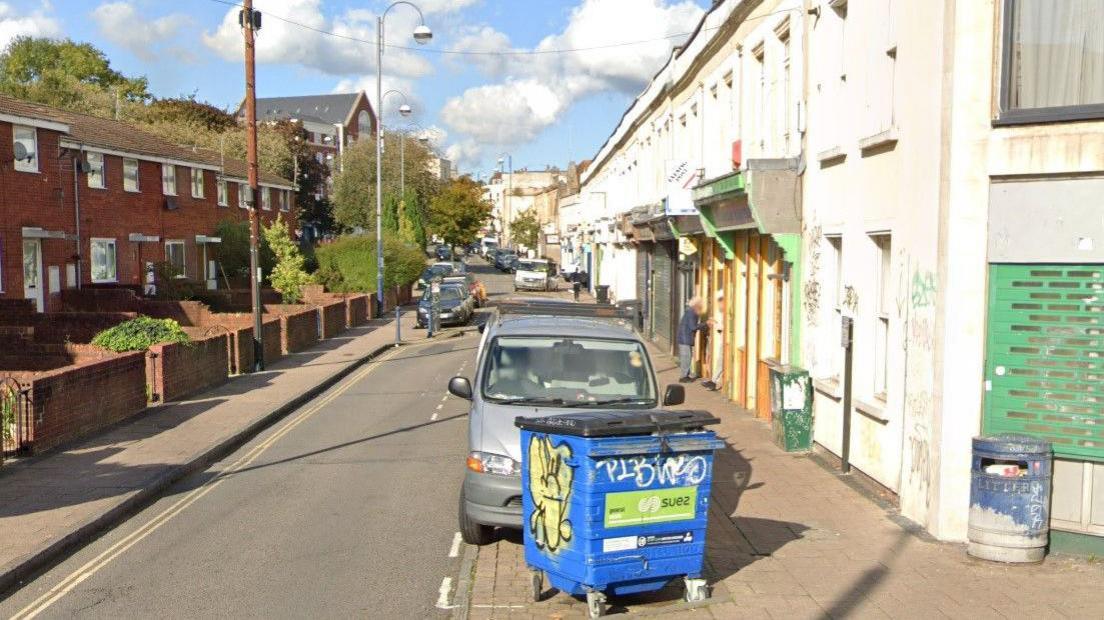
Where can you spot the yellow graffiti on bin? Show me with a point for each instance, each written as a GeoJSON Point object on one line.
{"type": "Point", "coordinates": [550, 479]}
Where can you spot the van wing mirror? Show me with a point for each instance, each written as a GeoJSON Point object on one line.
{"type": "Point", "coordinates": [675, 395]}
{"type": "Point", "coordinates": [461, 387]}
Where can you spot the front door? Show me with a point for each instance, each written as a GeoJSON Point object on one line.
{"type": "Point", "coordinates": [32, 272]}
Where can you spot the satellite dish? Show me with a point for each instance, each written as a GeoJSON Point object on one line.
{"type": "Point", "coordinates": [21, 152]}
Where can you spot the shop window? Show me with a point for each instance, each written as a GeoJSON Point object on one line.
{"type": "Point", "coordinates": [1053, 61]}
{"type": "Point", "coordinates": [95, 170]}
{"type": "Point", "coordinates": [174, 256]}
{"type": "Point", "coordinates": [103, 260]}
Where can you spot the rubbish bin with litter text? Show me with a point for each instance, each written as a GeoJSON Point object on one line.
{"type": "Point", "coordinates": [616, 502]}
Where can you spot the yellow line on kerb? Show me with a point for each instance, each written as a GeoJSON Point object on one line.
{"type": "Point", "coordinates": [103, 559]}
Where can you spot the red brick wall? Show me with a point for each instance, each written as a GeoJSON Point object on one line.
{"type": "Point", "coordinates": [333, 318]}
{"type": "Point", "coordinates": [45, 200]}
{"type": "Point", "coordinates": [176, 370]}
{"type": "Point", "coordinates": [299, 325]}
{"type": "Point", "coordinates": [77, 400]}
{"type": "Point", "coordinates": [78, 327]}
{"type": "Point", "coordinates": [356, 310]}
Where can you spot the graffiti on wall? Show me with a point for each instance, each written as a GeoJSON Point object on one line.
{"type": "Point", "coordinates": [923, 289]}
{"type": "Point", "coordinates": [810, 294]}
{"type": "Point", "coordinates": [645, 471]}
{"type": "Point", "coordinates": [550, 478]}
{"type": "Point", "coordinates": [851, 299]}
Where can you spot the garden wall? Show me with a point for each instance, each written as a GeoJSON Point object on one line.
{"type": "Point", "coordinates": [175, 370]}
{"type": "Point", "coordinates": [299, 325]}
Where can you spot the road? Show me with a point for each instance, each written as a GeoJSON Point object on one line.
{"type": "Point", "coordinates": [345, 508]}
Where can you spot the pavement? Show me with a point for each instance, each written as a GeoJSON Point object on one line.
{"type": "Point", "coordinates": [51, 503]}
{"type": "Point", "coordinates": [790, 538]}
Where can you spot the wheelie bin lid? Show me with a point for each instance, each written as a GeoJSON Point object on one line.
{"type": "Point", "coordinates": [618, 422]}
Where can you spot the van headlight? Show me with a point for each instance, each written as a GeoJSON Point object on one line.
{"type": "Point", "coordinates": [488, 463]}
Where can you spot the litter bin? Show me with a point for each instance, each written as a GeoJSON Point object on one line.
{"type": "Point", "coordinates": [791, 408]}
{"type": "Point", "coordinates": [615, 502]}
{"type": "Point", "coordinates": [1009, 498]}
{"type": "Point", "coordinates": [601, 293]}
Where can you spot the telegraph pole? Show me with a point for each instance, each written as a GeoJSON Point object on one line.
{"type": "Point", "coordinates": [250, 21]}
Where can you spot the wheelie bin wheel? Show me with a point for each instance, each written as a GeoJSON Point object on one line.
{"type": "Point", "coordinates": [536, 585]}
{"type": "Point", "coordinates": [696, 590]}
{"type": "Point", "coordinates": [596, 604]}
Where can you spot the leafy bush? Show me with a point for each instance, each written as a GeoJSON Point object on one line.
{"type": "Point", "coordinates": [140, 334]}
{"type": "Point", "coordinates": [349, 264]}
{"type": "Point", "coordinates": [288, 276]}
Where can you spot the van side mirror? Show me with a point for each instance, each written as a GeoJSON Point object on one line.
{"type": "Point", "coordinates": [461, 387]}
{"type": "Point", "coordinates": [675, 395]}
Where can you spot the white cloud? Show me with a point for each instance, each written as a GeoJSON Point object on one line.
{"type": "Point", "coordinates": [279, 42]}
{"type": "Point", "coordinates": [537, 89]}
{"type": "Point", "coordinates": [121, 24]}
{"type": "Point", "coordinates": [466, 154]}
{"type": "Point", "coordinates": [483, 39]}
{"type": "Point", "coordinates": [37, 24]}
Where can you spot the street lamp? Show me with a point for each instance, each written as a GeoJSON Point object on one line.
{"type": "Point", "coordinates": [506, 158]}
{"type": "Point", "coordinates": [422, 35]}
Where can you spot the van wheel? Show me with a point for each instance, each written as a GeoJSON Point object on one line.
{"type": "Point", "coordinates": [471, 532]}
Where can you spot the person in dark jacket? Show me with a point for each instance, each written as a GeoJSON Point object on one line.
{"type": "Point", "coordinates": [689, 326]}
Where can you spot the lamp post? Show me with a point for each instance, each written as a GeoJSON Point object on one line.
{"type": "Point", "coordinates": [422, 35]}
{"type": "Point", "coordinates": [506, 158]}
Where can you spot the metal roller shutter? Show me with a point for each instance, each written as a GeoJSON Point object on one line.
{"type": "Point", "coordinates": [1045, 355]}
{"type": "Point", "coordinates": [663, 267]}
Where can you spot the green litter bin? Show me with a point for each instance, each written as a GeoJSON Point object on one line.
{"type": "Point", "coordinates": [791, 408]}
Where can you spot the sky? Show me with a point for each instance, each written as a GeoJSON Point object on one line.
{"type": "Point", "coordinates": [545, 81]}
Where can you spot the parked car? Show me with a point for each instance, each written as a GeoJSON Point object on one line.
{"type": "Point", "coordinates": [535, 366]}
{"type": "Point", "coordinates": [478, 291]}
{"type": "Point", "coordinates": [444, 252]}
{"type": "Point", "coordinates": [489, 255]}
{"type": "Point", "coordinates": [455, 305]}
{"type": "Point", "coordinates": [532, 274]}
{"type": "Point", "coordinates": [503, 259]}
{"type": "Point", "coordinates": [437, 270]}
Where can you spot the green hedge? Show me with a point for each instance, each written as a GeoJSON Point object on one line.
{"type": "Point", "coordinates": [348, 264]}
{"type": "Point", "coordinates": [140, 334]}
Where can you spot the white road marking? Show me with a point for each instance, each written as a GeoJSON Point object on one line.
{"type": "Point", "coordinates": [443, 594]}
{"type": "Point", "coordinates": [444, 398]}
{"type": "Point", "coordinates": [433, 418]}
{"type": "Point", "coordinates": [454, 550]}
{"type": "Point", "coordinates": [441, 406]}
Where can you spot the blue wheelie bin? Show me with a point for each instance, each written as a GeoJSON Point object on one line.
{"type": "Point", "coordinates": [616, 502]}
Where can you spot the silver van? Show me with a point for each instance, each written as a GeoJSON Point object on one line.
{"type": "Point", "coordinates": [538, 359]}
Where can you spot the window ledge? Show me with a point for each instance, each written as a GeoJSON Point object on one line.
{"type": "Point", "coordinates": [883, 138]}
{"type": "Point", "coordinates": [27, 171]}
{"type": "Point", "coordinates": [831, 154]}
{"type": "Point", "coordinates": [873, 409]}
{"type": "Point", "coordinates": [133, 191]}
{"type": "Point", "coordinates": [829, 387]}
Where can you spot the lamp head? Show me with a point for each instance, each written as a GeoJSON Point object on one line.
{"type": "Point", "coordinates": [405, 110]}
{"type": "Point", "coordinates": [422, 34]}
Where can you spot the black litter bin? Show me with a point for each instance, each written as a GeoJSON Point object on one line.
{"type": "Point", "coordinates": [601, 293]}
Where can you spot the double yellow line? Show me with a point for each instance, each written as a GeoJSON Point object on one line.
{"type": "Point", "coordinates": [103, 559]}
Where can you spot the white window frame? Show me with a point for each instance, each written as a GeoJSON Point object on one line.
{"type": "Point", "coordinates": [183, 256]}
{"type": "Point", "coordinates": [266, 199]}
{"type": "Point", "coordinates": [168, 179]}
{"type": "Point", "coordinates": [834, 245]}
{"type": "Point", "coordinates": [22, 165]}
{"type": "Point", "coordinates": [883, 268]}
{"type": "Point", "coordinates": [197, 183]}
{"type": "Point", "coordinates": [242, 190]}
{"type": "Point", "coordinates": [137, 186]}
{"type": "Point", "coordinates": [283, 200]}
{"type": "Point", "coordinates": [222, 191]}
{"type": "Point", "coordinates": [106, 241]}
{"type": "Point", "coordinates": [93, 168]}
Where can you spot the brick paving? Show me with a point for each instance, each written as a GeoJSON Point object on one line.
{"type": "Point", "coordinates": [86, 485]}
{"type": "Point", "coordinates": [789, 539]}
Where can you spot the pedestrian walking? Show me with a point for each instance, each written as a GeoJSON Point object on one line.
{"type": "Point", "coordinates": [689, 326]}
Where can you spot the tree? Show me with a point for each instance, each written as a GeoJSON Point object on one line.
{"type": "Point", "coordinates": [288, 276]}
{"type": "Point", "coordinates": [354, 197]}
{"type": "Point", "coordinates": [65, 74]}
{"type": "Point", "coordinates": [411, 228]}
{"type": "Point", "coordinates": [525, 229]}
{"type": "Point", "coordinates": [459, 211]}
{"type": "Point", "coordinates": [233, 252]}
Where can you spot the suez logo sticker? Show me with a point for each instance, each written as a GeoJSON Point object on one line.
{"type": "Point", "coordinates": [650, 506]}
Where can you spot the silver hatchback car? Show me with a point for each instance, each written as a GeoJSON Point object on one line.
{"type": "Point", "coordinates": [540, 359]}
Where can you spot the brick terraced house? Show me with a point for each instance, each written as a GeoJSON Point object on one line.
{"type": "Point", "coordinates": [92, 201]}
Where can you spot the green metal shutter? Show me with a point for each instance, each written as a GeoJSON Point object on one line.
{"type": "Point", "coordinates": [1045, 355]}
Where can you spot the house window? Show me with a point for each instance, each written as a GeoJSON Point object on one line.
{"type": "Point", "coordinates": [103, 260]}
{"type": "Point", "coordinates": [197, 183]}
{"type": "Point", "coordinates": [834, 261]}
{"type": "Point", "coordinates": [783, 92]}
{"type": "Point", "coordinates": [883, 266]}
{"type": "Point", "coordinates": [168, 179]}
{"type": "Point", "coordinates": [174, 256]}
{"type": "Point", "coordinates": [130, 175]}
{"type": "Point", "coordinates": [283, 200]}
{"type": "Point", "coordinates": [243, 191]}
{"type": "Point", "coordinates": [759, 110]}
{"type": "Point", "coordinates": [27, 137]}
{"type": "Point", "coordinates": [95, 169]}
{"type": "Point", "coordinates": [1052, 61]}
{"type": "Point", "coordinates": [266, 205]}
{"type": "Point", "coordinates": [223, 193]}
